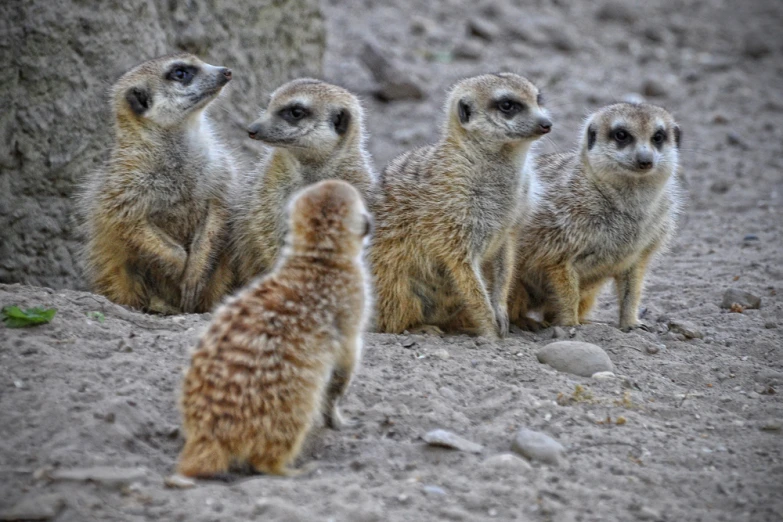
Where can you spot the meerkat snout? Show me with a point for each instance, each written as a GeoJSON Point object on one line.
{"type": "Point", "coordinates": [544, 125]}
{"type": "Point", "coordinates": [644, 159]}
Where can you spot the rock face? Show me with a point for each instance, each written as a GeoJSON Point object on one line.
{"type": "Point", "coordinates": [59, 60]}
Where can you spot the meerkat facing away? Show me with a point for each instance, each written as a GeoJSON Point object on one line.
{"type": "Point", "coordinates": [316, 132]}
{"type": "Point", "coordinates": [599, 212]}
{"type": "Point", "coordinates": [284, 349]}
{"type": "Point", "coordinates": [442, 253]}
{"type": "Point", "coordinates": [156, 213]}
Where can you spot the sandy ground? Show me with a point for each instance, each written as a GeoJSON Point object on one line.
{"type": "Point", "coordinates": [701, 438]}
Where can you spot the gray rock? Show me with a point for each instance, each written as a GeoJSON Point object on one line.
{"type": "Point", "coordinates": [654, 88]}
{"type": "Point", "coordinates": [535, 445]}
{"type": "Point", "coordinates": [772, 425]}
{"type": "Point", "coordinates": [105, 475]}
{"type": "Point", "coordinates": [575, 357]}
{"type": "Point", "coordinates": [483, 28]}
{"type": "Point", "coordinates": [70, 46]}
{"type": "Point", "coordinates": [616, 11]}
{"type": "Point", "coordinates": [604, 376]}
{"type": "Point", "coordinates": [507, 461]}
{"type": "Point", "coordinates": [393, 83]}
{"type": "Point", "coordinates": [740, 297]}
{"type": "Point", "coordinates": [686, 328]}
{"type": "Point", "coordinates": [558, 333]}
{"type": "Point", "coordinates": [179, 482]}
{"type": "Point", "coordinates": [35, 507]}
{"type": "Point", "coordinates": [434, 491]}
{"type": "Point", "coordinates": [448, 439]}
{"type": "Point", "coordinates": [648, 513]}
{"type": "Point", "coordinates": [441, 354]}
{"type": "Point", "coordinates": [756, 45]}
{"type": "Point", "coordinates": [470, 49]}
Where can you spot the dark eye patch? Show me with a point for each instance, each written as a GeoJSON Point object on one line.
{"type": "Point", "coordinates": [182, 73]}
{"type": "Point", "coordinates": [509, 107]}
{"type": "Point", "coordinates": [540, 99]}
{"type": "Point", "coordinates": [294, 112]}
{"type": "Point", "coordinates": [659, 138]}
{"type": "Point", "coordinates": [621, 136]}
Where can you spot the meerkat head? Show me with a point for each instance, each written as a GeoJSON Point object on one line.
{"type": "Point", "coordinates": [309, 117]}
{"type": "Point", "coordinates": [631, 140]}
{"type": "Point", "coordinates": [167, 91]}
{"type": "Point", "coordinates": [497, 109]}
{"type": "Point", "coordinates": [328, 217]}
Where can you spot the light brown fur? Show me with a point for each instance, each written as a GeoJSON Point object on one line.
{"type": "Point", "coordinates": [442, 253]}
{"type": "Point", "coordinates": [283, 350]}
{"type": "Point", "coordinates": [597, 214]}
{"type": "Point", "coordinates": [156, 214]}
{"type": "Point", "coordinates": [326, 142]}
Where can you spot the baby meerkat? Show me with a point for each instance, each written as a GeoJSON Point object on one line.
{"type": "Point", "coordinates": [316, 132]}
{"type": "Point", "coordinates": [283, 350]}
{"type": "Point", "coordinates": [442, 252]}
{"type": "Point", "coordinates": [156, 213]}
{"type": "Point", "coordinates": [599, 212]}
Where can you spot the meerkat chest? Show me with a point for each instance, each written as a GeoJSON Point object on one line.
{"type": "Point", "coordinates": [613, 243]}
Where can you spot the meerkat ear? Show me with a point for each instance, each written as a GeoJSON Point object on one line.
{"type": "Point", "coordinates": [591, 135]}
{"type": "Point", "coordinates": [677, 137]}
{"type": "Point", "coordinates": [463, 111]}
{"type": "Point", "coordinates": [341, 120]}
{"type": "Point", "coordinates": [138, 99]}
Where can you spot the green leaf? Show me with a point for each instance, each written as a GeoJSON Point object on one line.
{"type": "Point", "coordinates": [15, 317]}
{"type": "Point", "coordinates": [97, 316]}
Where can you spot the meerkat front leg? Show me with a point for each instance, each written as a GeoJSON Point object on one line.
{"type": "Point", "coordinates": [629, 292]}
{"type": "Point", "coordinates": [158, 248]}
{"type": "Point", "coordinates": [201, 258]}
{"type": "Point", "coordinates": [502, 275]}
{"type": "Point", "coordinates": [339, 382]}
{"type": "Point", "coordinates": [469, 281]}
{"type": "Point", "coordinates": [565, 285]}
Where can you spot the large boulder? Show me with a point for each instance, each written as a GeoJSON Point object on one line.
{"type": "Point", "coordinates": [59, 58]}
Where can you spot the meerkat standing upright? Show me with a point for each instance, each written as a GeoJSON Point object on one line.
{"type": "Point", "coordinates": [284, 349]}
{"type": "Point", "coordinates": [156, 214]}
{"type": "Point", "coordinates": [442, 252]}
{"type": "Point", "coordinates": [599, 212]}
{"type": "Point", "coordinates": [316, 132]}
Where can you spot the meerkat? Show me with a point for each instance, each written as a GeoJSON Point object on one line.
{"type": "Point", "coordinates": [598, 213]}
{"type": "Point", "coordinates": [282, 352]}
{"type": "Point", "coordinates": [156, 213]}
{"type": "Point", "coordinates": [442, 253]}
{"type": "Point", "coordinates": [315, 132]}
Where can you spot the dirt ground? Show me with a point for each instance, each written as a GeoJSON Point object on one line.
{"type": "Point", "coordinates": [699, 394]}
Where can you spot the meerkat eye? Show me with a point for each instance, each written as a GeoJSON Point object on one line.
{"type": "Point", "coordinates": [294, 113]}
{"type": "Point", "coordinates": [509, 107]}
{"type": "Point", "coordinates": [659, 137]}
{"type": "Point", "coordinates": [620, 135]}
{"type": "Point", "coordinates": [182, 74]}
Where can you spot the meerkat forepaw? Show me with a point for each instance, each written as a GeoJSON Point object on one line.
{"type": "Point", "coordinates": [503, 324]}
{"type": "Point", "coordinates": [336, 421]}
{"type": "Point", "coordinates": [191, 292]}
{"type": "Point", "coordinates": [427, 329]}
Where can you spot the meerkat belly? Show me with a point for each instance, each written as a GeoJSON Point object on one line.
{"type": "Point", "coordinates": [179, 220]}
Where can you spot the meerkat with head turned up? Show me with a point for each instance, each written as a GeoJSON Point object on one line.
{"type": "Point", "coordinates": [156, 214]}
{"type": "Point", "coordinates": [600, 212]}
{"type": "Point", "coordinates": [284, 349]}
{"type": "Point", "coordinates": [316, 132]}
{"type": "Point", "coordinates": [442, 254]}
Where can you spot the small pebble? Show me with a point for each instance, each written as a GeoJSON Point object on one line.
{"type": "Point", "coordinates": [558, 333]}
{"type": "Point", "coordinates": [686, 328]}
{"type": "Point", "coordinates": [772, 425]}
{"type": "Point", "coordinates": [432, 490]}
{"type": "Point", "coordinates": [603, 376]}
{"type": "Point", "coordinates": [442, 354]}
{"type": "Point", "coordinates": [470, 49]}
{"type": "Point", "coordinates": [742, 298]}
{"type": "Point", "coordinates": [575, 357]}
{"type": "Point", "coordinates": [483, 28]}
{"type": "Point", "coordinates": [536, 445]}
{"type": "Point", "coordinates": [448, 439]}
{"type": "Point", "coordinates": [507, 461]}
{"type": "Point", "coordinates": [653, 88]}
{"type": "Point", "coordinates": [178, 482]}
{"type": "Point", "coordinates": [652, 349]}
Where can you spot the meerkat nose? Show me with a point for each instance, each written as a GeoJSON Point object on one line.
{"type": "Point", "coordinates": [544, 125]}
{"type": "Point", "coordinates": [253, 130]}
{"type": "Point", "coordinates": [226, 74]}
{"type": "Point", "coordinates": [644, 160]}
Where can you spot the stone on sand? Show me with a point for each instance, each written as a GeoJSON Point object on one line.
{"type": "Point", "coordinates": [579, 358]}
{"type": "Point", "coordinates": [740, 297]}
{"type": "Point", "coordinates": [507, 461]}
{"type": "Point", "coordinates": [105, 475]}
{"type": "Point", "coordinates": [536, 445]}
{"type": "Point", "coordinates": [448, 439]}
{"type": "Point", "coordinates": [35, 507]}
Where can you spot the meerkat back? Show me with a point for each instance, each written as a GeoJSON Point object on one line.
{"type": "Point", "coordinates": [282, 352]}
